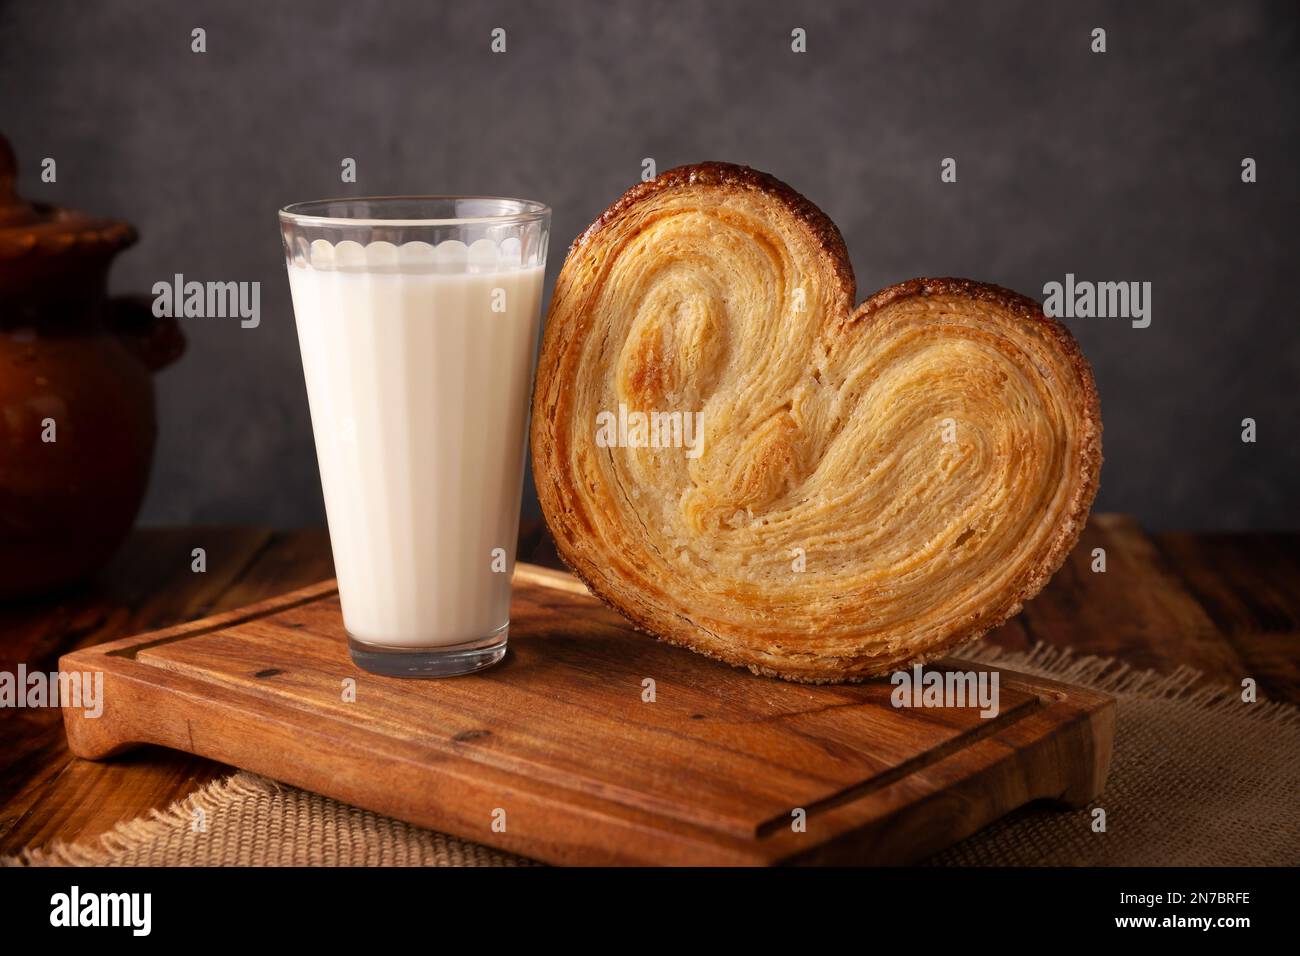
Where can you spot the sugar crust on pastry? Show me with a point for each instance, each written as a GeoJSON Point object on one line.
{"type": "Point", "coordinates": [875, 486]}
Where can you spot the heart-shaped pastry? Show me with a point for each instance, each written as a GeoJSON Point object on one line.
{"type": "Point", "coordinates": [741, 463]}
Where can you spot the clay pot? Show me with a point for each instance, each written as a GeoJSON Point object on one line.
{"type": "Point", "coordinates": [77, 424]}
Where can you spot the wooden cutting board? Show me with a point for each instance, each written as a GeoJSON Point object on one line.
{"type": "Point", "coordinates": [557, 755]}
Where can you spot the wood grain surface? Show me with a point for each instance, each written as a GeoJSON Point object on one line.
{"type": "Point", "coordinates": [1227, 604]}
{"type": "Point", "coordinates": [562, 739]}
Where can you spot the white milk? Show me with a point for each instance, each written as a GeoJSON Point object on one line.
{"type": "Point", "coordinates": [419, 403]}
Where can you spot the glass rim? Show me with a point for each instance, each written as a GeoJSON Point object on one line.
{"type": "Point", "coordinates": [528, 210]}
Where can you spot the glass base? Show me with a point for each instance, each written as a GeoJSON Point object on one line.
{"type": "Point", "coordinates": [447, 660]}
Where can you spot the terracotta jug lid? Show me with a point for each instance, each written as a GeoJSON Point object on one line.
{"type": "Point", "coordinates": [35, 231]}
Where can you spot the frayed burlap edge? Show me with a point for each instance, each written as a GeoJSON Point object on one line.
{"type": "Point", "coordinates": [155, 825]}
{"type": "Point", "coordinates": [1202, 775]}
{"type": "Point", "coordinates": [1110, 676]}
{"type": "Point", "coordinates": [133, 839]}
{"type": "Point", "coordinates": [270, 816]}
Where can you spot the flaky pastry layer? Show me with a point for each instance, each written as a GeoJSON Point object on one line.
{"type": "Point", "coordinates": [873, 486]}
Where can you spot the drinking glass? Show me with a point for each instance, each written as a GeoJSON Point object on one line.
{"type": "Point", "coordinates": [418, 321]}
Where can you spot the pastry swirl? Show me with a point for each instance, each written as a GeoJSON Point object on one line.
{"type": "Point", "coordinates": [874, 486]}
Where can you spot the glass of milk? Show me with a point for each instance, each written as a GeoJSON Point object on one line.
{"type": "Point", "coordinates": [418, 321]}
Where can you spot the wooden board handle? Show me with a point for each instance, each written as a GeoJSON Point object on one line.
{"type": "Point", "coordinates": [549, 578]}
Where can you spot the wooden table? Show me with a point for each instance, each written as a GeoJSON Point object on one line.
{"type": "Point", "coordinates": [1226, 604]}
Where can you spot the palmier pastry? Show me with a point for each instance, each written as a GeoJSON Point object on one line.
{"type": "Point", "coordinates": [742, 463]}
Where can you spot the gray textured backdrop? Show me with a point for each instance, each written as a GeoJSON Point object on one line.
{"type": "Point", "coordinates": [1122, 166]}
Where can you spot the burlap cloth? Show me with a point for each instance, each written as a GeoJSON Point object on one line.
{"type": "Point", "coordinates": [1199, 778]}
